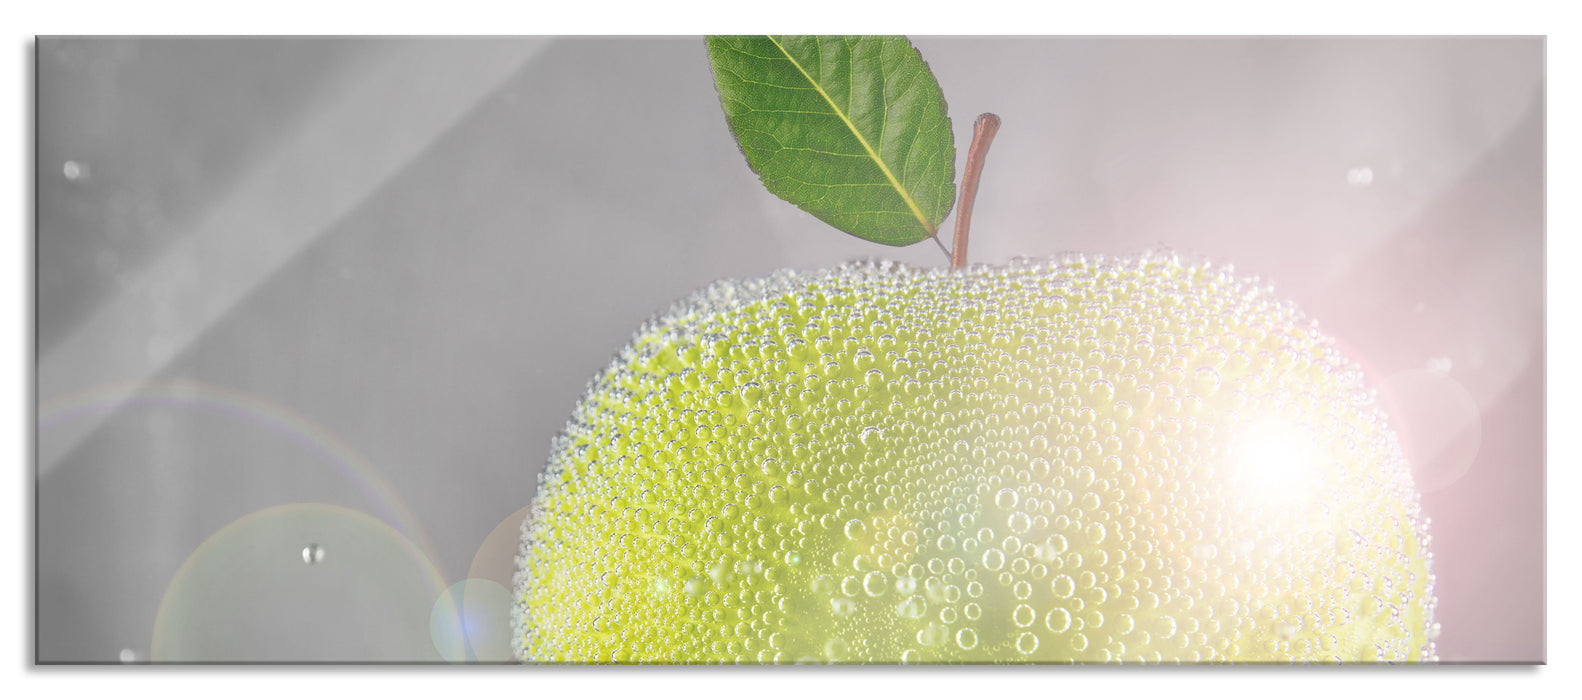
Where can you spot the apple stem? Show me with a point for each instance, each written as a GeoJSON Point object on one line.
{"type": "Point", "coordinates": [982, 135]}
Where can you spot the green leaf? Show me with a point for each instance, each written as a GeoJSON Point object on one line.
{"type": "Point", "coordinates": [851, 129]}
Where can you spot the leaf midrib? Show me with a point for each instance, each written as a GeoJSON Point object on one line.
{"type": "Point", "coordinates": [894, 183]}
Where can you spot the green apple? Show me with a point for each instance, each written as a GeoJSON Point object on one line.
{"type": "Point", "coordinates": [1086, 459]}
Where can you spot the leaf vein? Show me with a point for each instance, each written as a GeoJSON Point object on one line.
{"type": "Point", "coordinates": [905, 195]}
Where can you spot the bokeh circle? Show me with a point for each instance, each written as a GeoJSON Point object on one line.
{"type": "Point", "coordinates": [495, 559]}
{"type": "Point", "coordinates": [1440, 425]}
{"type": "Point", "coordinates": [471, 622]}
{"type": "Point", "coordinates": [246, 594]}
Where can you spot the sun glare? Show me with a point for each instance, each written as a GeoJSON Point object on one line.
{"type": "Point", "coordinates": [1275, 459]}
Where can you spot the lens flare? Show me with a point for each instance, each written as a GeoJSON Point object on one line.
{"type": "Point", "coordinates": [1275, 459]}
{"type": "Point", "coordinates": [211, 399]}
{"type": "Point", "coordinates": [471, 622]}
{"type": "Point", "coordinates": [245, 596]}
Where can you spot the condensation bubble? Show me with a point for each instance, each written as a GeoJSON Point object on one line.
{"type": "Point", "coordinates": [1022, 589]}
{"type": "Point", "coordinates": [1359, 176]}
{"type": "Point", "coordinates": [1063, 586]}
{"type": "Point", "coordinates": [874, 583]}
{"type": "Point", "coordinates": [128, 656]}
{"type": "Point", "coordinates": [1019, 522]}
{"type": "Point", "coordinates": [312, 554]}
{"type": "Point", "coordinates": [855, 529]}
{"type": "Point", "coordinates": [1165, 626]}
{"type": "Point", "coordinates": [906, 585]}
{"type": "Point", "coordinates": [823, 584]}
{"type": "Point", "coordinates": [1088, 460]}
{"type": "Point", "coordinates": [1023, 615]}
{"type": "Point", "coordinates": [850, 585]}
{"type": "Point", "coordinates": [872, 437]}
{"type": "Point", "coordinates": [1006, 498]}
{"type": "Point", "coordinates": [835, 649]}
{"type": "Point", "coordinates": [1058, 544]}
{"type": "Point", "coordinates": [1027, 643]}
{"type": "Point", "coordinates": [1058, 620]}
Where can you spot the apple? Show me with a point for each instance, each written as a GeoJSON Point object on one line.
{"type": "Point", "coordinates": [1077, 460]}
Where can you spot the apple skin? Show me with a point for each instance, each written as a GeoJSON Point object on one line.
{"type": "Point", "coordinates": [1077, 460]}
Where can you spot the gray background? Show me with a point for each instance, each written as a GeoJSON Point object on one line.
{"type": "Point", "coordinates": [377, 274]}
